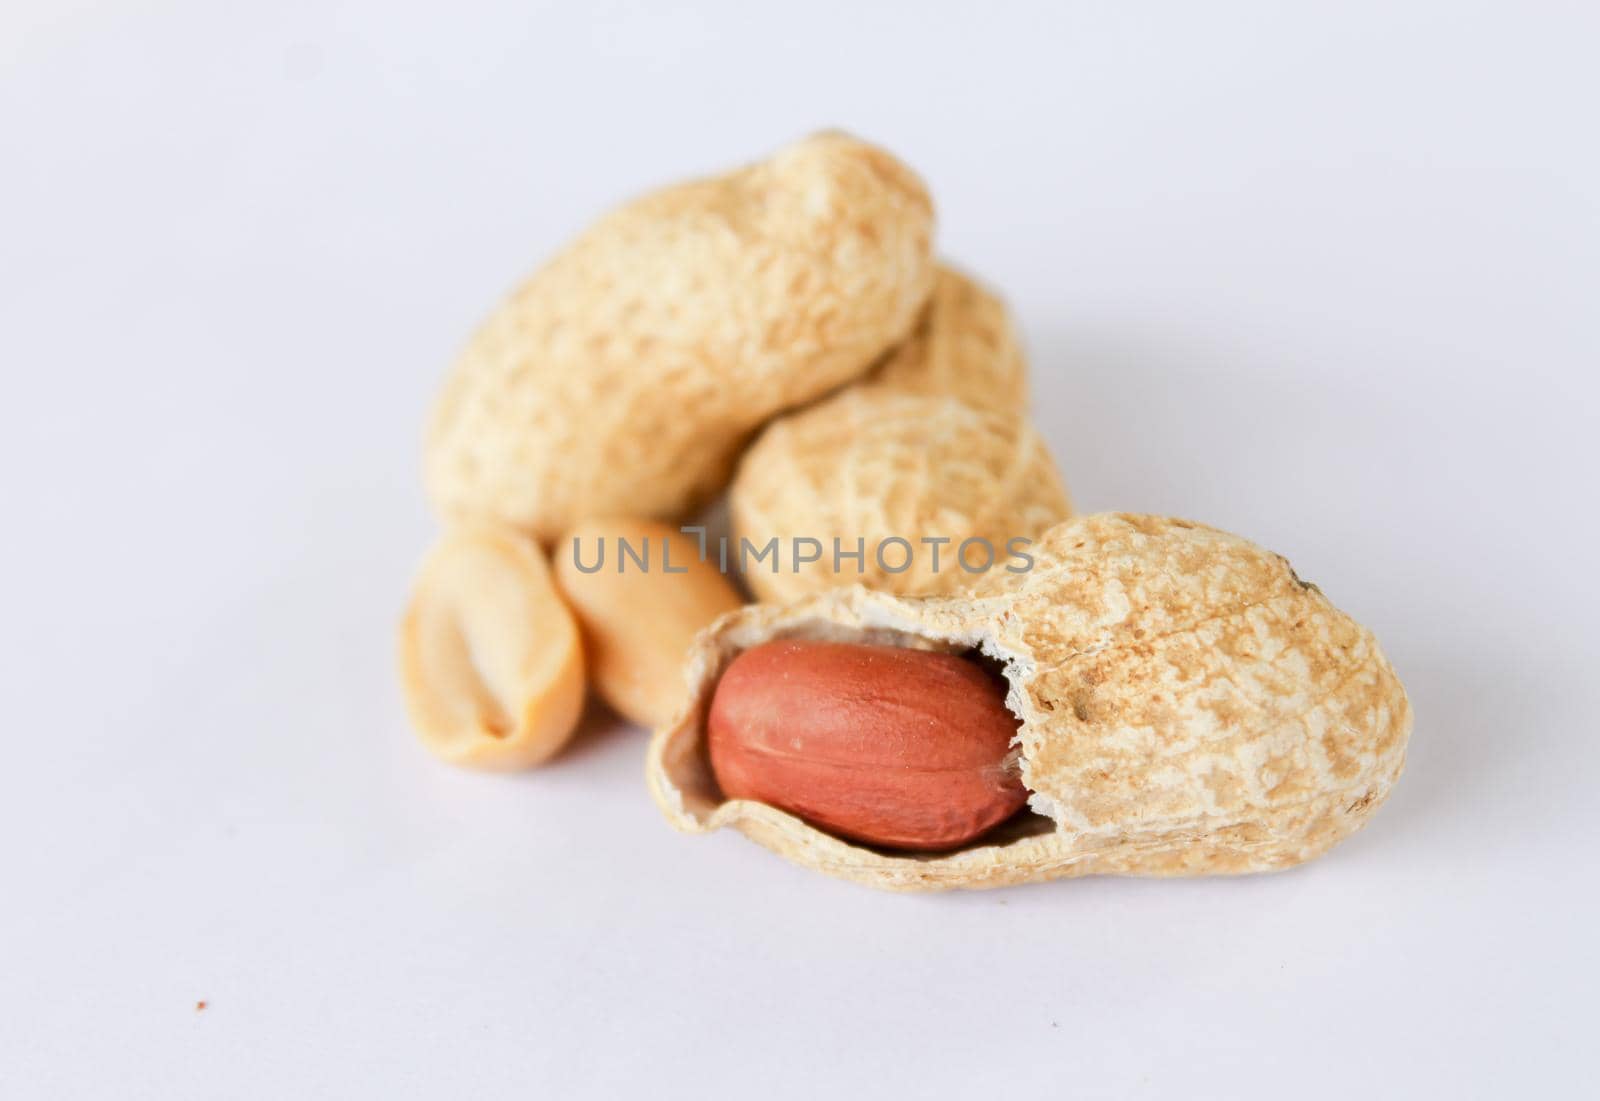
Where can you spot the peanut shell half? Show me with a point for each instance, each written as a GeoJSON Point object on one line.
{"type": "Point", "coordinates": [1188, 706]}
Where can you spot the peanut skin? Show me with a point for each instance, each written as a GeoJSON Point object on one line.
{"type": "Point", "coordinates": [905, 749]}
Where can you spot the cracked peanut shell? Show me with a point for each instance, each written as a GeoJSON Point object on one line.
{"type": "Point", "coordinates": [1188, 706]}
{"type": "Point", "coordinates": [623, 377]}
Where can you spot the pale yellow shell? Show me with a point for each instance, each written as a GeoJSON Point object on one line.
{"type": "Point", "coordinates": [964, 346]}
{"type": "Point", "coordinates": [1189, 706]}
{"type": "Point", "coordinates": [871, 464]}
{"type": "Point", "coordinates": [623, 377]}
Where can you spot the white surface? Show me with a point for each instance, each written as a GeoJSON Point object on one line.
{"type": "Point", "coordinates": [1327, 279]}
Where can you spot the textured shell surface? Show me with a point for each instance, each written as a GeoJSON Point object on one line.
{"type": "Point", "coordinates": [625, 374]}
{"type": "Point", "coordinates": [872, 464]}
{"type": "Point", "coordinates": [965, 346]}
{"type": "Point", "coordinates": [1188, 706]}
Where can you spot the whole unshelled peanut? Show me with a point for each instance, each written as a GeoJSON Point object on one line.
{"type": "Point", "coordinates": [626, 374]}
{"type": "Point", "coordinates": [908, 749]}
{"type": "Point", "coordinates": [964, 346]}
{"type": "Point", "coordinates": [639, 609]}
{"type": "Point", "coordinates": [873, 463]}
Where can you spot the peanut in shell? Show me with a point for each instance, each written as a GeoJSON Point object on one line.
{"type": "Point", "coordinates": [965, 345]}
{"type": "Point", "coordinates": [1188, 706]}
{"type": "Point", "coordinates": [872, 464]}
{"type": "Point", "coordinates": [625, 375]}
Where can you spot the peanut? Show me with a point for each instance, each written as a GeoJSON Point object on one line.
{"type": "Point", "coordinates": [905, 749]}
{"type": "Point", "coordinates": [624, 376]}
{"type": "Point", "coordinates": [964, 346]}
{"type": "Point", "coordinates": [871, 466]}
{"type": "Point", "coordinates": [1188, 706]}
{"type": "Point", "coordinates": [638, 622]}
{"type": "Point", "coordinates": [490, 658]}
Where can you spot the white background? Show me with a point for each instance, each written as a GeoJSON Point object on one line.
{"type": "Point", "coordinates": [1325, 275]}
